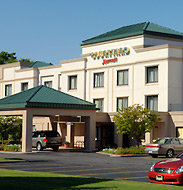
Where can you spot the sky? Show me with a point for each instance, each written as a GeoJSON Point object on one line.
{"type": "Point", "coordinates": [52, 30]}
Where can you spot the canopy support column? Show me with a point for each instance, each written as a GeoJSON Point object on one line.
{"type": "Point", "coordinates": [27, 132]}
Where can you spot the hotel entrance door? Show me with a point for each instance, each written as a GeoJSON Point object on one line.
{"type": "Point", "coordinates": [105, 136]}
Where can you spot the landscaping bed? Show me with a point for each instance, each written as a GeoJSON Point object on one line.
{"type": "Point", "coordinates": [125, 151]}
{"type": "Point", "coordinates": [11, 148]}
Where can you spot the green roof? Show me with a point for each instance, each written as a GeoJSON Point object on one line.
{"type": "Point", "coordinates": [134, 30]}
{"type": "Point", "coordinates": [39, 64]}
{"type": "Point", "coordinates": [44, 97]}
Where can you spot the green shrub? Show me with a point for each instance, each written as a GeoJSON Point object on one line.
{"type": "Point", "coordinates": [110, 151]}
{"type": "Point", "coordinates": [10, 148]}
{"type": "Point", "coordinates": [131, 150]}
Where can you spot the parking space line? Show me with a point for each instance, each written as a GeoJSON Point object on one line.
{"type": "Point", "coordinates": [92, 169]}
{"type": "Point", "coordinates": [51, 166]}
{"type": "Point", "coordinates": [27, 163]}
{"type": "Point", "coordinates": [131, 177]}
{"type": "Point", "coordinates": [111, 173]}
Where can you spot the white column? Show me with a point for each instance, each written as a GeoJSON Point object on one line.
{"type": "Point", "coordinates": [27, 132]}
{"type": "Point", "coordinates": [90, 132]}
{"type": "Point", "coordinates": [148, 138]}
{"type": "Point", "coordinates": [68, 138]}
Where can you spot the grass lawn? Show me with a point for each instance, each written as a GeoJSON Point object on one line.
{"type": "Point", "coordinates": [18, 180]}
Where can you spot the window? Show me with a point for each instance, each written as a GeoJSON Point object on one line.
{"type": "Point", "coordinates": [35, 134]}
{"type": "Point", "coordinates": [8, 90]}
{"type": "Point", "coordinates": [72, 82]}
{"type": "Point", "coordinates": [152, 102]}
{"type": "Point", "coordinates": [24, 86]}
{"type": "Point", "coordinates": [175, 141]}
{"type": "Point", "coordinates": [152, 74]}
{"type": "Point", "coordinates": [181, 141]}
{"type": "Point", "coordinates": [99, 80]}
{"type": "Point", "coordinates": [48, 84]}
{"type": "Point", "coordinates": [122, 102]}
{"type": "Point", "coordinates": [99, 104]}
{"type": "Point", "coordinates": [122, 77]}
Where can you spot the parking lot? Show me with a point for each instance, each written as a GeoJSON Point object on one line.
{"type": "Point", "coordinates": [82, 163]}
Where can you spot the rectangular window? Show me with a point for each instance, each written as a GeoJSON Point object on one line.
{"type": "Point", "coordinates": [122, 77]}
{"type": "Point", "coordinates": [152, 103]}
{"type": "Point", "coordinates": [99, 104]}
{"type": "Point", "coordinates": [98, 80]}
{"type": "Point", "coordinates": [152, 74]}
{"type": "Point", "coordinates": [122, 102]}
{"type": "Point", "coordinates": [48, 84]}
{"type": "Point", "coordinates": [24, 86]}
{"type": "Point", "coordinates": [72, 82]}
{"type": "Point", "coordinates": [8, 90]}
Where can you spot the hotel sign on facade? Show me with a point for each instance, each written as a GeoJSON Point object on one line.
{"type": "Point", "coordinates": [110, 53]}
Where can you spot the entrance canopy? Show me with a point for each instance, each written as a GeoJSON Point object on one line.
{"type": "Point", "coordinates": [44, 97]}
{"type": "Point", "coordinates": [45, 101]}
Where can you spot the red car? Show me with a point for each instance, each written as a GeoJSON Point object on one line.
{"type": "Point", "coordinates": [167, 171]}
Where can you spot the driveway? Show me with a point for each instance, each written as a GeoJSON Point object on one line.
{"type": "Point", "coordinates": [82, 163]}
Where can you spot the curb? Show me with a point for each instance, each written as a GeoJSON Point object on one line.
{"type": "Point", "coordinates": [121, 155]}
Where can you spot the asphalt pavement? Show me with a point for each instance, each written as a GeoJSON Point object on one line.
{"type": "Point", "coordinates": [82, 163]}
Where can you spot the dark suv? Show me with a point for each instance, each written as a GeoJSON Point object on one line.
{"type": "Point", "coordinates": [46, 139]}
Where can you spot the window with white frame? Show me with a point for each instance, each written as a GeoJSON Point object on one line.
{"type": "Point", "coordinates": [48, 84]}
{"type": "Point", "coordinates": [99, 104]}
{"type": "Point", "coordinates": [98, 80]}
{"type": "Point", "coordinates": [122, 77]}
{"type": "Point", "coordinates": [122, 102]}
{"type": "Point", "coordinates": [73, 82]}
{"type": "Point", "coordinates": [8, 90]}
{"type": "Point", "coordinates": [24, 86]}
{"type": "Point", "coordinates": [152, 102]}
{"type": "Point", "coordinates": [152, 74]}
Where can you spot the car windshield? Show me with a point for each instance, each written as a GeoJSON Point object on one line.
{"type": "Point", "coordinates": [52, 134]}
{"type": "Point", "coordinates": [161, 141]}
{"type": "Point", "coordinates": [180, 155]}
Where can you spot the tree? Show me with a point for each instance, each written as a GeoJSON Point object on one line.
{"type": "Point", "coordinates": [25, 60]}
{"type": "Point", "coordinates": [135, 121]}
{"type": "Point", "coordinates": [9, 126]}
{"type": "Point", "coordinates": [6, 57]}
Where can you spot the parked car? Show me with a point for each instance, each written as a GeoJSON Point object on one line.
{"type": "Point", "coordinates": [46, 139]}
{"type": "Point", "coordinates": [167, 146]}
{"type": "Point", "coordinates": [167, 171]}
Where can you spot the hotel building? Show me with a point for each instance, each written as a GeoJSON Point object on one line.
{"type": "Point", "coordinates": [136, 64]}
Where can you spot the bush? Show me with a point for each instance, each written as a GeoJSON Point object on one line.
{"type": "Point", "coordinates": [10, 148]}
{"type": "Point", "coordinates": [131, 150]}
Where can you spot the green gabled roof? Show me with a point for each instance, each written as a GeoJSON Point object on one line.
{"type": "Point", "coordinates": [39, 64]}
{"type": "Point", "coordinates": [44, 97]}
{"type": "Point", "coordinates": [134, 30]}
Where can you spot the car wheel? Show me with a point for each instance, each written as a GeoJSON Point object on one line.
{"type": "Point", "coordinates": [154, 155]}
{"type": "Point", "coordinates": [170, 153]}
{"type": "Point", "coordinates": [39, 146]}
{"type": "Point", "coordinates": [55, 148]}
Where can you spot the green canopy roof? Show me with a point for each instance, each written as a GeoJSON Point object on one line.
{"type": "Point", "coordinates": [134, 30]}
{"type": "Point", "coordinates": [44, 97]}
{"type": "Point", "coordinates": [39, 64]}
